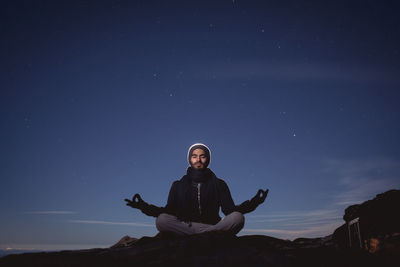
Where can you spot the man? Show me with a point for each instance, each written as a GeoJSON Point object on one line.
{"type": "Point", "coordinates": [194, 201]}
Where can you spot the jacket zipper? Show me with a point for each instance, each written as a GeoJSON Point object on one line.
{"type": "Point", "coordinates": [198, 196]}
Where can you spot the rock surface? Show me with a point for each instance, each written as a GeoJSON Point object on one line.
{"type": "Point", "coordinates": [218, 249]}
{"type": "Point", "coordinates": [211, 249]}
{"type": "Point", "coordinates": [379, 219]}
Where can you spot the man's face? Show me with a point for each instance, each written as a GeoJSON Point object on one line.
{"type": "Point", "coordinates": [198, 159]}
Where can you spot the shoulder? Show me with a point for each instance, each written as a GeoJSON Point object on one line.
{"type": "Point", "coordinates": [177, 186]}
{"type": "Point", "coordinates": [175, 183]}
{"type": "Point", "coordinates": [184, 180]}
{"type": "Point", "coordinates": [220, 182]}
{"type": "Point", "coordinates": [222, 187]}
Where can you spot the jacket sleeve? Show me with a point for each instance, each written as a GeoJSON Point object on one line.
{"type": "Point", "coordinates": [246, 207]}
{"type": "Point", "coordinates": [172, 205]}
{"type": "Point", "coordinates": [154, 211]}
{"type": "Point", "coordinates": [227, 204]}
{"type": "Point", "coordinates": [226, 201]}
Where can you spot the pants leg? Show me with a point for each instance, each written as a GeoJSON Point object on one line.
{"type": "Point", "coordinates": [169, 223]}
{"type": "Point", "coordinates": [233, 223]}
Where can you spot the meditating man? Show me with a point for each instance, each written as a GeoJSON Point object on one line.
{"type": "Point", "coordinates": [194, 201]}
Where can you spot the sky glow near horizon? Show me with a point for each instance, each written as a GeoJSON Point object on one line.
{"type": "Point", "coordinates": [100, 100]}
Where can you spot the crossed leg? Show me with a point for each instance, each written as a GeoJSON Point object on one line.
{"type": "Point", "coordinates": [232, 223]}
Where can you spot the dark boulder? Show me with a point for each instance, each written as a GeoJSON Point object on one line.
{"type": "Point", "coordinates": [379, 219]}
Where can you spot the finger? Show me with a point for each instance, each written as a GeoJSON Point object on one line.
{"type": "Point", "coordinates": [260, 192]}
{"type": "Point", "coordinates": [137, 198]}
{"type": "Point", "coordinates": [264, 197]}
{"type": "Point", "coordinates": [265, 193]}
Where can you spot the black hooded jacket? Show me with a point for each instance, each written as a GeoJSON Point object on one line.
{"type": "Point", "coordinates": [183, 201]}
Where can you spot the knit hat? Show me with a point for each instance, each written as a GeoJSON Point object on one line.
{"type": "Point", "coordinates": [201, 146]}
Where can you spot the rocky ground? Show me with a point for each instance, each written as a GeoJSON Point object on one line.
{"type": "Point", "coordinates": [379, 220]}
{"type": "Point", "coordinates": [214, 250]}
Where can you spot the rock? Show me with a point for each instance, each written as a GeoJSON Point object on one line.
{"type": "Point", "coordinates": [379, 219]}
{"type": "Point", "coordinates": [379, 222]}
{"type": "Point", "coordinates": [210, 249]}
{"type": "Point", "coordinates": [315, 242]}
{"type": "Point", "coordinates": [126, 241]}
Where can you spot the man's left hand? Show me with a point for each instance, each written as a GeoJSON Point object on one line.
{"type": "Point", "coordinates": [136, 202]}
{"type": "Point", "coordinates": [260, 197]}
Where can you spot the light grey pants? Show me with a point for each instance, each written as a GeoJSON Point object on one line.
{"type": "Point", "coordinates": [232, 223]}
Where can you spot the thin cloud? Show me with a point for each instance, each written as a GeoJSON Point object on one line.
{"type": "Point", "coordinates": [316, 231]}
{"type": "Point", "coordinates": [296, 214]}
{"type": "Point", "coordinates": [111, 223]}
{"type": "Point", "coordinates": [49, 247]}
{"type": "Point", "coordinates": [363, 179]}
{"type": "Point", "coordinates": [313, 223]}
{"type": "Point", "coordinates": [50, 212]}
{"type": "Point", "coordinates": [360, 180]}
{"type": "Point", "coordinates": [362, 190]}
{"type": "Point", "coordinates": [298, 217]}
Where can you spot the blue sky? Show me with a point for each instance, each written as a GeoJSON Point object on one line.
{"type": "Point", "coordinates": [101, 100]}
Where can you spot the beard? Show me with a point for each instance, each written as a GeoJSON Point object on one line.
{"type": "Point", "coordinates": [198, 165]}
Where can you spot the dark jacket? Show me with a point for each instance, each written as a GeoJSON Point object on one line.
{"type": "Point", "coordinates": [183, 201]}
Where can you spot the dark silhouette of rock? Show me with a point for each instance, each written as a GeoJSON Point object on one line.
{"type": "Point", "coordinates": [379, 219]}
{"type": "Point", "coordinates": [211, 249]}
{"type": "Point", "coordinates": [126, 241]}
{"type": "Point", "coordinates": [221, 249]}
{"type": "Point", "coordinates": [315, 242]}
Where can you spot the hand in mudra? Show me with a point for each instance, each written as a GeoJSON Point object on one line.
{"type": "Point", "coordinates": [260, 197]}
{"type": "Point", "coordinates": [136, 202]}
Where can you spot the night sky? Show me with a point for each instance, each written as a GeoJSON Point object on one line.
{"type": "Point", "coordinates": [101, 99]}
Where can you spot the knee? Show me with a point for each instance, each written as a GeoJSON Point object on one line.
{"type": "Point", "coordinates": [236, 221]}
{"type": "Point", "coordinates": [161, 221]}
{"type": "Point", "coordinates": [237, 217]}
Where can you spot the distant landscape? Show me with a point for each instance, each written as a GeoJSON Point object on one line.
{"type": "Point", "coordinates": [5, 252]}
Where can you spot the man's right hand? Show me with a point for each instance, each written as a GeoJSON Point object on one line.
{"type": "Point", "coordinates": [136, 202]}
{"type": "Point", "coordinates": [260, 197]}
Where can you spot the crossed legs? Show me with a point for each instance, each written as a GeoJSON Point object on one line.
{"type": "Point", "coordinates": [232, 223]}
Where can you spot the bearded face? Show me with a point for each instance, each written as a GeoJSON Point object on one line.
{"type": "Point", "coordinates": [198, 159]}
